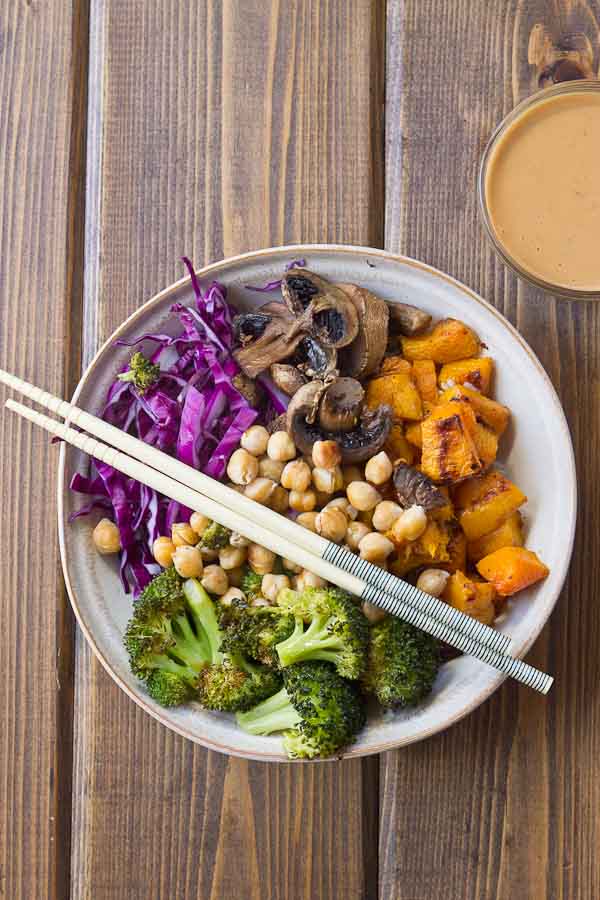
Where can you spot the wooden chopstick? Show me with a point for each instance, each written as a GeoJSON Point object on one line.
{"type": "Point", "coordinates": [279, 544]}
{"type": "Point", "coordinates": [318, 546]}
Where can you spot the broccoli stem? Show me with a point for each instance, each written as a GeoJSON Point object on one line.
{"type": "Point", "coordinates": [203, 613]}
{"type": "Point", "coordinates": [313, 643]}
{"type": "Point", "coordinates": [274, 714]}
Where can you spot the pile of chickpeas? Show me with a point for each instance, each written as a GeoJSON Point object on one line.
{"type": "Point", "coordinates": [345, 504]}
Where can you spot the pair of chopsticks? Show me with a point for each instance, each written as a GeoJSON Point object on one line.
{"type": "Point", "coordinates": [284, 537]}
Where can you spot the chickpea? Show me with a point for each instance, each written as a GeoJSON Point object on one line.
{"type": "Point", "coordinates": [291, 566]}
{"type": "Point", "coordinates": [199, 522]}
{"type": "Point", "coordinates": [260, 490]}
{"type": "Point", "coordinates": [373, 613]}
{"type": "Point", "coordinates": [308, 579]}
{"type": "Point", "coordinates": [272, 584]}
{"type": "Point", "coordinates": [232, 557]}
{"type": "Point", "coordinates": [255, 440]}
{"type": "Point", "coordinates": [362, 496]}
{"type": "Point", "coordinates": [236, 576]}
{"type": "Point", "coordinates": [308, 520]}
{"type": "Point", "coordinates": [242, 467]}
{"type": "Point", "coordinates": [332, 524]}
{"type": "Point", "coordinates": [238, 540]}
{"type": "Point", "coordinates": [375, 548]}
{"type": "Point", "coordinates": [271, 468]}
{"type": "Point", "coordinates": [433, 581]}
{"type": "Point", "coordinates": [324, 480]}
{"type": "Point", "coordinates": [281, 446]}
{"type": "Point", "coordinates": [106, 537]}
{"type": "Point", "coordinates": [385, 514]}
{"type": "Point", "coordinates": [208, 555]}
{"type": "Point", "coordinates": [163, 549]}
{"type": "Point", "coordinates": [355, 532]}
{"type": "Point", "coordinates": [215, 580]}
{"type": "Point", "coordinates": [183, 535]}
{"type": "Point", "coordinates": [379, 468]}
{"type": "Point", "coordinates": [410, 525]}
{"type": "Point", "coordinates": [279, 500]}
{"type": "Point", "coordinates": [232, 594]}
{"type": "Point", "coordinates": [344, 504]}
{"type": "Point", "coordinates": [352, 473]}
{"type": "Point", "coordinates": [260, 559]}
{"type": "Point", "coordinates": [296, 476]}
{"type": "Point", "coordinates": [303, 501]}
{"type": "Point", "coordinates": [326, 454]}
{"type": "Point", "coordinates": [188, 561]}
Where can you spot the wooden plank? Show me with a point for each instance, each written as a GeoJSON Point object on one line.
{"type": "Point", "coordinates": [504, 804]}
{"type": "Point", "coordinates": [42, 92]}
{"type": "Point", "coordinates": [217, 128]}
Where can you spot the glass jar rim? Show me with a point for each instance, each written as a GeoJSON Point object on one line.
{"type": "Point", "coordinates": [566, 87]}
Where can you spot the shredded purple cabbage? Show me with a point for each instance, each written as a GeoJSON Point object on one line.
{"type": "Point", "coordinates": [193, 412]}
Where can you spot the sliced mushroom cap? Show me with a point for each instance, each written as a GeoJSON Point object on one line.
{"type": "Point", "coordinates": [315, 359]}
{"type": "Point", "coordinates": [341, 405]}
{"type": "Point", "coordinates": [357, 445]}
{"type": "Point", "coordinates": [288, 378]}
{"type": "Point", "coordinates": [366, 351]}
{"type": "Point", "coordinates": [413, 488]}
{"type": "Point", "coordinates": [333, 315]}
{"type": "Point", "coordinates": [406, 319]}
{"type": "Point", "coordinates": [267, 335]}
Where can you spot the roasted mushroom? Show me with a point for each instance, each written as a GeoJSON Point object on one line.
{"type": "Point", "coordinates": [357, 445]}
{"type": "Point", "coordinates": [341, 405]}
{"type": "Point", "coordinates": [366, 351]}
{"type": "Point", "coordinates": [406, 319]}
{"type": "Point", "coordinates": [313, 358]}
{"type": "Point", "coordinates": [413, 488]}
{"type": "Point", "coordinates": [267, 336]}
{"type": "Point", "coordinates": [333, 315]}
{"type": "Point", "coordinates": [287, 378]}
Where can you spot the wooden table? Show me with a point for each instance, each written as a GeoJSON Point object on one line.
{"type": "Point", "coordinates": [132, 132]}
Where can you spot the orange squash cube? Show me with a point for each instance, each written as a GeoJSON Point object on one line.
{"type": "Point", "coordinates": [399, 391]}
{"type": "Point", "coordinates": [392, 364]}
{"type": "Point", "coordinates": [449, 451]}
{"type": "Point", "coordinates": [485, 503]}
{"type": "Point", "coordinates": [448, 341]}
{"type": "Point", "coordinates": [474, 598]}
{"type": "Point", "coordinates": [427, 550]}
{"type": "Point", "coordinates": [425, 378]}
{"type": "Point", "coordinates": [397, 446]}
{"type": "Point", "coordinates": [414, 435]}
{"type": "Point", "coordinates": [491, 413]}
{"type": "Point", "coordinates": [512, 569]}
{"type": "Point", "coordinates": [486, 442]}
{"type": "Point", "coordinates": [477, 372]}
{"type": "Point", "coordinates": [509, 534]}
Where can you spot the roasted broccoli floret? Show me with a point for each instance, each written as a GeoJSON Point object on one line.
{"type": "Point", "coordinates": [215, 537]}
{"type": "Point", "coordinates": [174, 640]}
{"type": "Point", "coordinates": [328, 626]}
{"type": "Point", "coordinates": [251, 583]}
{"type": "Point", "coordinates": [318, 711]}
{"type": "Point", "coordinates": [402, 663]}
{"type": "Point", "coordinates": [255, 630]}
{"type": "Point", "coordinates": [141, 372]}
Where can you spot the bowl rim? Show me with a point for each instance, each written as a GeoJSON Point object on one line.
{"type": "Point", "coordinates": [287, 251]}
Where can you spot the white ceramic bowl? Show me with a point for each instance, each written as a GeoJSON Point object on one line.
{"type": "Point", "coordinates": [536, 451]}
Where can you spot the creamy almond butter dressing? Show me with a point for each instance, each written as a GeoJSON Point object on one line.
{"type": "Point", "coordinates": [542, 188]}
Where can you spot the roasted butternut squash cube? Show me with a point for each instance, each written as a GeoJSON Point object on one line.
{"type": "Point", "coordinates": [491, 413]}
{"type": "Point", "coordinates": [397, 446]}
{"type": "Point", "coordinates": [457, 549]}
{"type": "Point", "coordinates": [413, 434]}
{"type": "Point", "coordinates": [512, 569]}
{"type": "Point", "coordinates": [393, 364]}
{"type": "Point", "coordinates": [427, 550]}
{"type": "Point", "coordinates": [449, 450]}
{"type": "Point", "coordinates": [483, 504]}
{"type": "Point", "coordinates": [447, 342]}
{"type": "Point", "coordinates": [471, 597]}
{"type": "Point", "coordinates": [486, 442]}
{"type": "Point", "coordinates": [477, 372]}
{"type": "Point", "coordinates": [399, 391]}
{"type": "Point", "coordinates": [509, 534]}
{"type": "Point", "coordinates": [425, 378]}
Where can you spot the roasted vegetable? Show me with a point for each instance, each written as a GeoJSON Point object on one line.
{"type": "Point", "coordinates": [509, 534]}
{"type": "Point", "coordinates": [486, 443]}
{"type": "Point", "coordinates": [449, 452]}
{"type": "Point", "coordinates": [402, 664]}
{"type": "Point", "coordinates": [449, 340]}
{"type": "Point", "coordinates": [512, 569]}
{"type": "Point", "coordinates": [398, 390]}
{"type": "Point", "coordinates": [485, 503]}
{"type": "Point", "coordinates": [474, 598]}
{"type": "Point", "coordinates": [365, 353]}
{"type": "Point", "coordinates": [407, 319]}
{"type": "Point", "coordinates": [424, 375]}
{"type": "Point", "coordinates": [457, 549]}
{"type": "Point", "coordinates": [491, 413]}
{"type": "Point", "coordinates": [414, 435]}
{"type": "Point", "coordinates": [333, 315]}
{"type": "Point", "coordinates": [397, 446]}
{"type": "Point", "coordinates": [428, 550]}
{"type": "Point", "coordinates": [477, 373]}
{"type": "Point", "coordinates": [413, 488]}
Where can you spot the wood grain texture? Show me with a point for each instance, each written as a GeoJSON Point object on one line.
{"type": "Point", "coordinates": [42, 91]}
{"type": "Point", "coordinates": [504, 805]}
{"type": "Point", "coordinates": [216, 128]}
